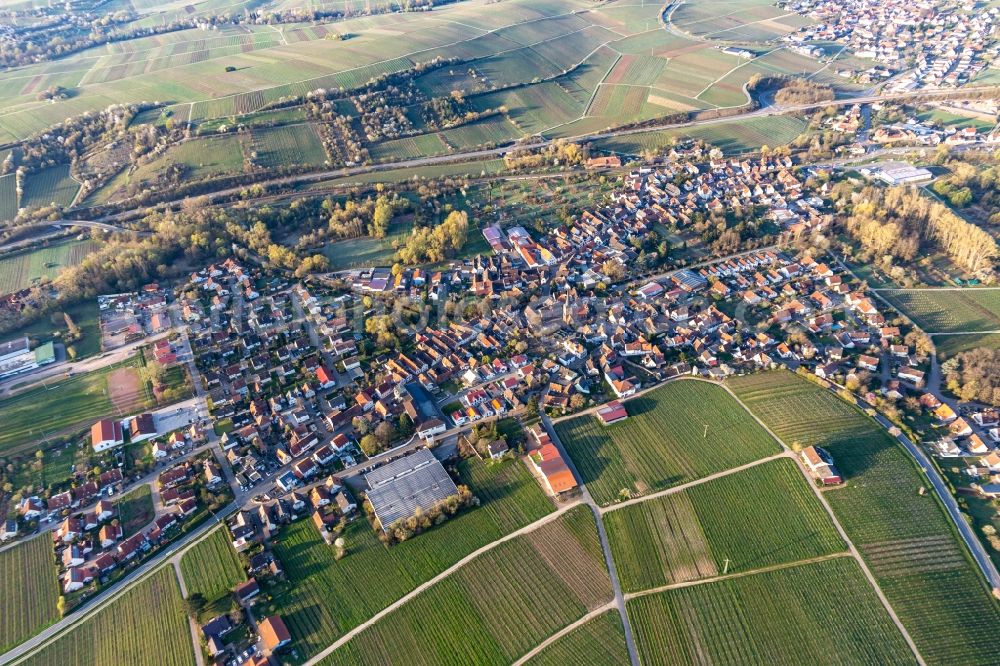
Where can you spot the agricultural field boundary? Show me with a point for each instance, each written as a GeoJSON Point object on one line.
{"type": "Point", "coordinates": [403, 56]}
{"type": "Point", "coordinates": [37, 642]}
{"type": "Point", "coordinates": [739, 574]}
{"type": "Point", "coordinates": [695, 482]}
{"type": "Point", "coordinates": [840, 529]}
{"type": "Point", "coordinates": [195, 641]}
{"type": "Point", "coordinates": [527, 529]}
{"type": "Point", "coordinates": [610, 606]}
{"type": "Point", "coordinates": [787, 452]}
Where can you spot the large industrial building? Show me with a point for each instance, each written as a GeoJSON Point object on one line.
{"type": "Point", "coordinates": [398, 489]}
{"type": "Point", "coordinates": [16, 356]}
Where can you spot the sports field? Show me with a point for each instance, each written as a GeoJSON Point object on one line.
{"type": "Point", "coordinates": [680, 432]}
{"type": "Point", "coordinates": [913, 551]}
{"type": "Point", "coordinates": [546, 579]}
{"type": "Point", "coordinates": [29, 592]}
{"type": "Point", "coordinates": [69, 404]}
{"type": "Point", "coordinates": [327, 597]}
{"type": "Point", "coordinates": [22, 270]}
{"type": "Point", "coordinates": [145, 626]}
{"type": "Point", "coordinates": [949, 310]}
{"type": "Point", "coordinates": [760, 517]}
{"type": "Point", "coordinates": [822, 612]}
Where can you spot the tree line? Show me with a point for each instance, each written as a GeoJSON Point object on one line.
{"type": "Point", "coordinates": [900, 222]}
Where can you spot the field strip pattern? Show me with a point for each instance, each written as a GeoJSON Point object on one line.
{"type": "Point", "coordinates": [813, 612]}
{"type": "Point", "coordinates": [948, 311]}
{"type": "Point", "coordinates": [946, 608]}
{"type": "Point", "coordinates": [514, 579]}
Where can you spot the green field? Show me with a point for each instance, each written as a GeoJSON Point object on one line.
{"type": "Point", "coordinates": [144, 626]}
{"type": "Point", "coordinates": [22, 270]}
{"type": "Point", "coordinates": [367, 250]}
{"type": "Point", "coordinates": [947, 118]}
{"type": "Point", "coordinates": [328, 597]}
{"type": "Point", "coordinates": [135, 510]}
{"type": "Point", "coordinates": [948, 310]}
{"type": "Point", "coordinates": [950, 345]}
{"type": "Point", "coordinates": [663, 443]}
{"type": "Point", "coordinates": [730, 136]}
{"type": "Point", "coordinates": [8, 197]}
{"type": "Point", "coordinates": [67, 403]}
{"type": "Point", "coordinates": [598, 642]}
{"type": "Point", "coordinates": [819, 613]}
{"type": "Point", "coordinates": [471, 169]}
{"type": "Point", "coordinates": [198, 158]}
{"type": "Point", "coordinates": [498, 606]}
{"type": "Point", "coordinates": [52, 185]}
{"type": "Point", "coordinates": [905, 536]}
{"type": "Point", "coordinates": [212, 568]}
{"type": "Point", "coordinates": [288, 146]}
{"type": "Point", "coordinates": [29, 592]}
{"type": "Point", "coordinates": [760, 517]}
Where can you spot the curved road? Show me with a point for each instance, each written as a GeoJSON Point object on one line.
{"type": "Point", "coordinates": [500, 151]}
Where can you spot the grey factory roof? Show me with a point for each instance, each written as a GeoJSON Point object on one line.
{"type": "Point", "coordinates": [401, 487]}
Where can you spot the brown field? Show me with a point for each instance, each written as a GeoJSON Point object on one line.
{"type": "Point", "coordinates": [125, 389]}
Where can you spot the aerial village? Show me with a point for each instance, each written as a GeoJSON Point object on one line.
{"type": "Point", "coordinates": [911, 44]}
{"type": "Point", "coordinates": [319, 404]}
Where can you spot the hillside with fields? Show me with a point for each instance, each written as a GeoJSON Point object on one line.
{"type": "Point", "coordinates": [499, 332]}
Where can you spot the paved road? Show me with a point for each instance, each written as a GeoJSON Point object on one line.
{"type": "Point", "coordinates": [503, 150]}
{"type": "Point", "coordinates": [633, 652]}
{"type": "Point", "coordinates": [18, 653]}
{"type": "Point", "coordinates": [982, 558]}
{"type": "Point", "coordinates": [941, 488]}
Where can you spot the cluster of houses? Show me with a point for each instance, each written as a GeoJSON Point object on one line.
{"type": "Point", "coordinates": [264, 374]}
{"type": "Point", "coordinates": [566, 261]}
{"type": "Point", "coordinates": [935, 43]}
{"type": "Point", "coordinates": [272, 634]}
{"type": "Point", "coordinates": [326, 500]}
{"type": "Point", "coordinates": [33, 509]}
{"type": "Point", "coordinates": [107, 434]}
{"type": "Point", "coordinates": [131, 316]}
{"type": "Point", "coordinates": [91, 545]}
{"type": "Point", "coordinates": [962, 437]}
{"type": "Point", "coordinates": [927, 133]}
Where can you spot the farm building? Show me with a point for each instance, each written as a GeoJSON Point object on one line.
{"type": "Point", "coordinates": [416, 481]}
{"type": "Point", "coordinates": [820, 466]}
{"type": "Point", "coordinates": [273, 633]}
{"type": "Point", "coordinates": [613, 412]}
{"type": "Point", "coordinates": [548, 462]}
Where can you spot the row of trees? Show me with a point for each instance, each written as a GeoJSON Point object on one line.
{"type": "Point", "coordinates": [898, 221]}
